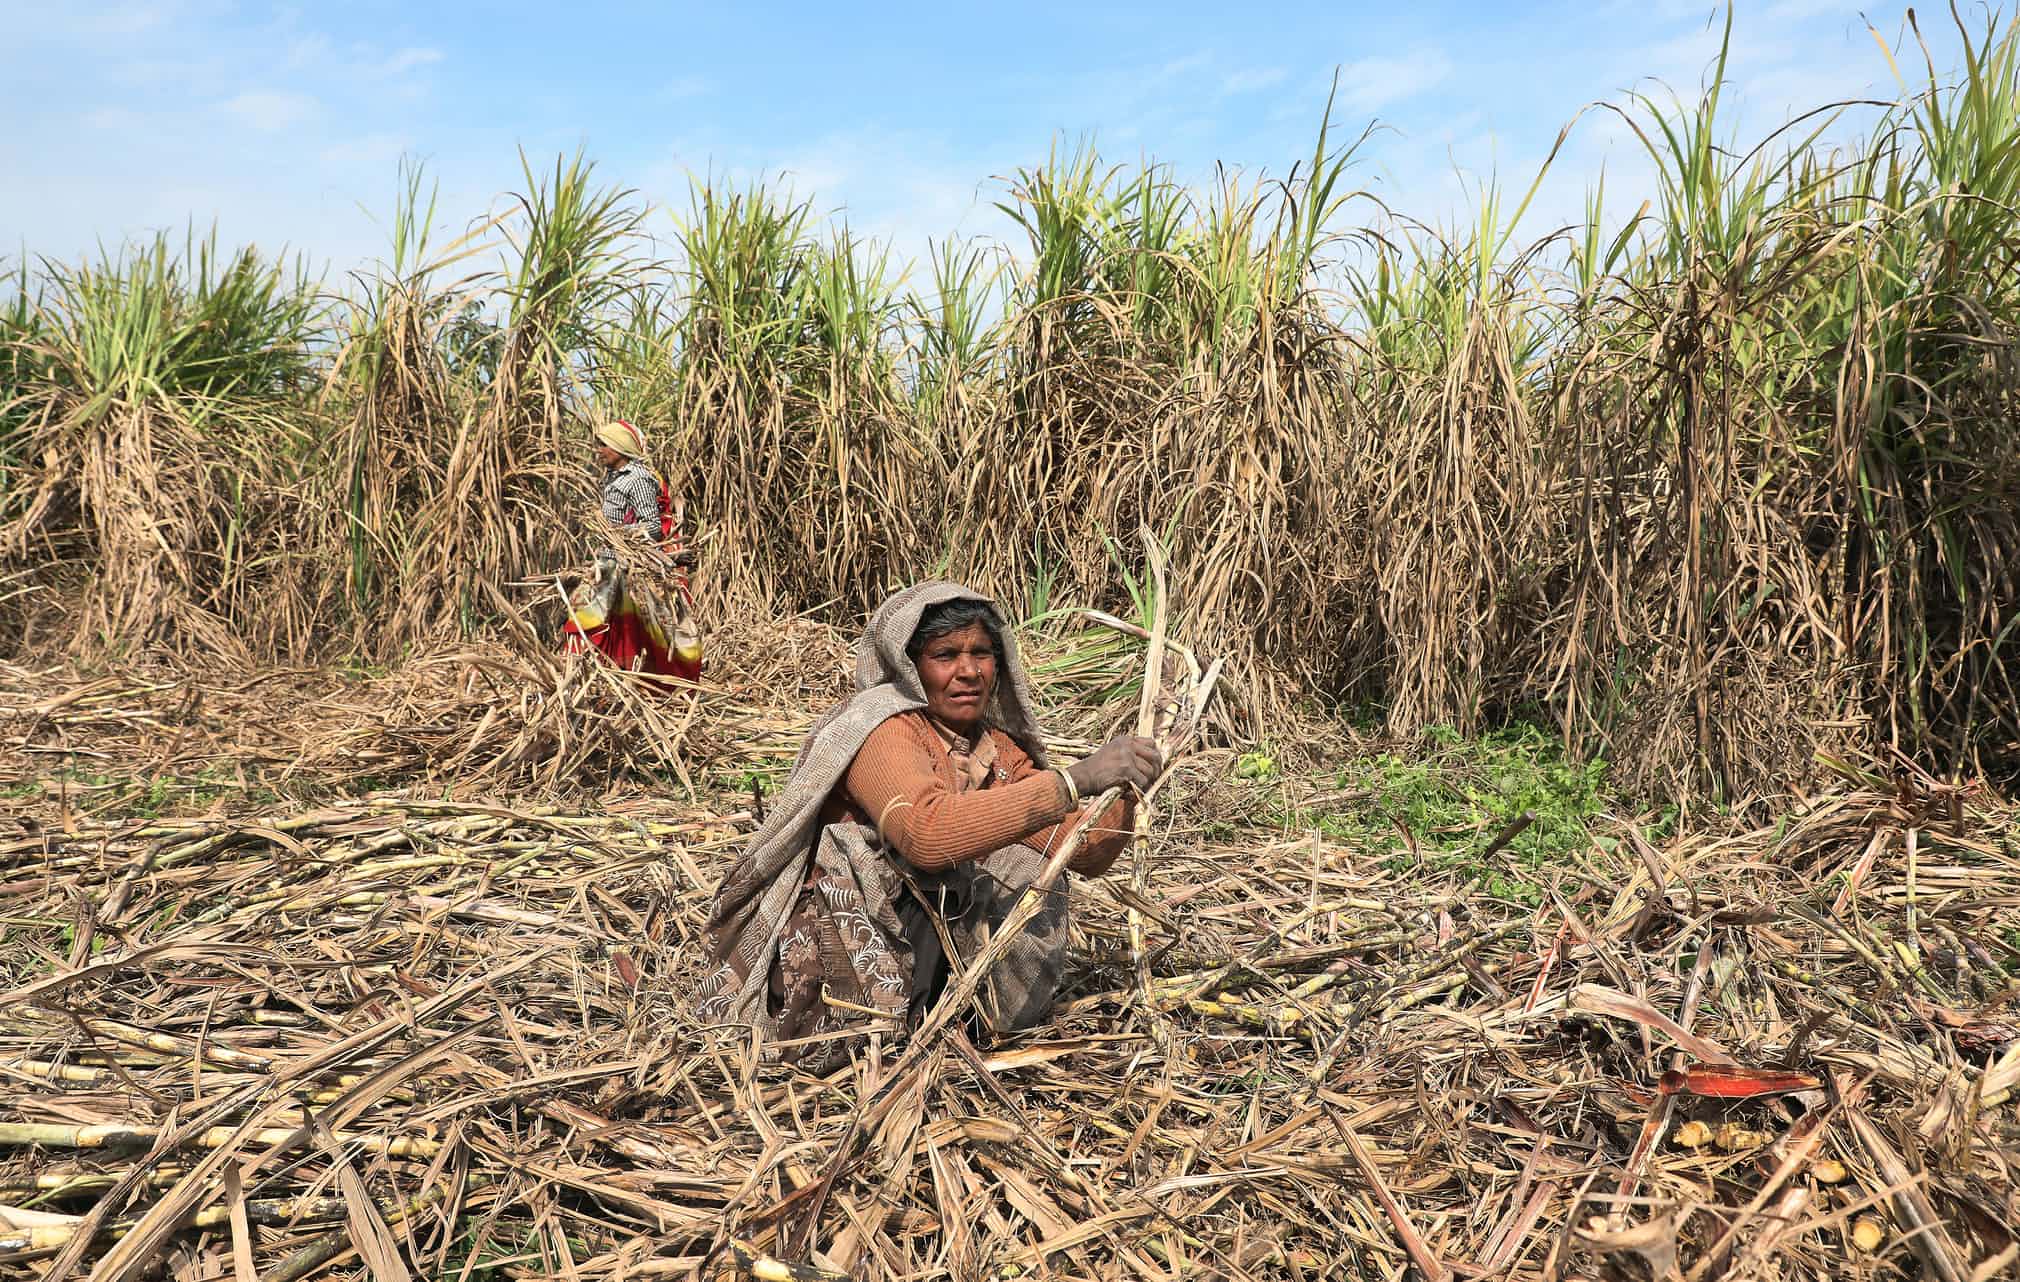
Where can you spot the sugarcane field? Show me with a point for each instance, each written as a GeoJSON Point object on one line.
{"type": "Point", "coordinates": [1214, 731]}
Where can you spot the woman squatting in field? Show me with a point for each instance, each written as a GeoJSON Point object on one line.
{"type": "Point", "coordinates": [916, 813]}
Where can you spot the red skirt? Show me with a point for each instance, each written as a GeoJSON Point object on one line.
{"type": "Point", "coordinates": [630, 645]}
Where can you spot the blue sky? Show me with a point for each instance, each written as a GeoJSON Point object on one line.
{"type": "Point", "coordinates": [286, 123]}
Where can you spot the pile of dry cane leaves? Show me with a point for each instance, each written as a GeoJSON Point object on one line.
{"type": "Point", "coordinates": [412, 1036]}
{"type": "Point", "coordinates": [476, 719]}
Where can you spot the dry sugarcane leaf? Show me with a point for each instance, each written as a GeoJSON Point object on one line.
{"type": "Point", "coordinates": [1420, 1252]}
{"type": "Point", "coordinates": [185, 949]}
{"type": "Point", "coordinates": [21, 1217]}
{"type": "Point", "coordinates": [1597, 999]}
{"type": "Point", "coordinates": [241, 1227]}
{"type": "Point", "coordinates": [1654, 1241]}
{"type": "Point", "coordinates": [369, 1234]}
{"type": "Point", "coordinates": [1930, 1240]}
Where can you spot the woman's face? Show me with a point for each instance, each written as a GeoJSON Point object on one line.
{"type": "Point", "coordinates": [959, 671]}
{"type": "Point", "coordinates": [608, 457]}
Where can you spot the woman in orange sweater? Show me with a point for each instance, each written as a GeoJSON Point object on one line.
{"type": "Point", "coordinates": [917, 812]}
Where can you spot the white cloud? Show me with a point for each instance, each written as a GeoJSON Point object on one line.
{"type": "Point", "coordinates": [1177, 67]}
{"type": "Point", "coordinates": [685, 87]}
{"type": "Point", "coordinates": [1251, 81]}
{"type": "Point", "coordinates": [408, 59]}
{"type": "Point", "coordinates": [270, 111]}
{"type": "Point", "coordinates": [371, 153]}
{"type": "Point", "coordinates": [1683, 63]}
{"type": "Point", "coordinates": [1796, 10]}
{"type": "Point", "coordinates": [1373, 83]}
{"type": "Point", "coordinates": [306, 53]}
{"type": "Point", "coordinates": [113, 118]}
{"type": "Point", "coordinates": [900, 189]}
{"type": "Point", "coordinates": [124, 19]}
{"type": "Point", "coordinates": [1641, 12]}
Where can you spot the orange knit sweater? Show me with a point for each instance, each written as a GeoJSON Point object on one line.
{"type": "Point", "coordinates": [902, 782]}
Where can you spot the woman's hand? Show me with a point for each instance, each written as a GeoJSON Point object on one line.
{"type": "Point", "coordinates": [1125, 761]}
{"type": "Point", "coordinates": [684, 558]}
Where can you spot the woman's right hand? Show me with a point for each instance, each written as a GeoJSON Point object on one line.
{"type": "Point", "coordinates": [1125, 761]}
